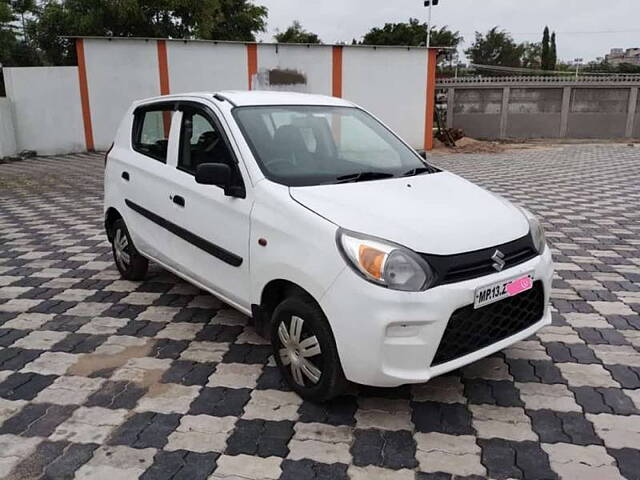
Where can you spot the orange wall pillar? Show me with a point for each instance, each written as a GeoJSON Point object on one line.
{"type": "Point", "coordinates": [432, 60]}
{"type": "Point", "coordinates": [84, 96]}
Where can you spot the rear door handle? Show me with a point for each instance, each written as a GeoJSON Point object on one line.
{"type": "Point", "coordinates": [125, 175]}
{"type": "Point", "coordinates": [178, 200]}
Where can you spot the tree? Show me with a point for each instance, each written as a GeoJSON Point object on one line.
{"type": "Point", "coordinates": [532, 55]}
{"type": "Point", "coordinates": [411, 33]}
{"type": "Point", "coordinates": [296, 34]}
{"type": "Point", "coordinates": [546, 50]}
{"type": "Point", "coordinates": [496, 47]}
{"type": "Point", "coordinates": [207, 19]}
{"type": "Point", "coordinates": [237, 20]}
{"type": "Point", "coordinates": [553, 59]}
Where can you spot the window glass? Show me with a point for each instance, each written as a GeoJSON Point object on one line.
{"type": "Point", "coordinates": [311, 145]}
{"type": "Point", "coordinates": [201, 142]}
{"type": "Point", "coordinates": [151, 132]}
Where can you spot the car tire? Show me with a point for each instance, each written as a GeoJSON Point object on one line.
{"type": "Point", "coordinates": [130, 264]}
{"type": "Point", "coordinates": [311, 367]}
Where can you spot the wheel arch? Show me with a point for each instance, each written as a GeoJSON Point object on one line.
{"type": "Point", "coordinates": [110, 218]}
{"type": "Point", "coordinates": [273, 293]}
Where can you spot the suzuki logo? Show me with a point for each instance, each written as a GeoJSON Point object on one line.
{"type": "Point", "coordinates": [498, 259]}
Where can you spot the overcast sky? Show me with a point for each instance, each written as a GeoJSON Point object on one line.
{"type": "Point", "coordinates": [342, 20]}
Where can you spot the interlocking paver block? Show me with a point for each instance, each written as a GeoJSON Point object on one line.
{"type": "Point", "coordinates": [539, 396]}
{"type": "Point", "coordinates": [111, 462]}
{"type": "Point", "coordinates": [272, 405]}
{"type": "Point", "coordinates": [617, 431]}
{"type": "Point", "coordinates": [459, 455]}
{"type": "Point", "coordinates": [246, 466]}
{"type": "Point", "coordinates": [201, 433]}
{"type": "Point", "coordinates": [579, 375]}
{"type": "Point", "coordinates": [590, 462]}
{"type": "Point", "coordinates": [89, 425]}
{"type": "Point", "coordinates": [502, 422]}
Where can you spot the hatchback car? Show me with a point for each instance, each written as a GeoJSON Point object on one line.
{"type": "Point", "coordinates": [357, 258]}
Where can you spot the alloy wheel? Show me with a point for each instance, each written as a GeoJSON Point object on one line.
{"type": "Point", "coordinates": [298, 347]}
{"type": "Point", "coordinates": [120, 245]}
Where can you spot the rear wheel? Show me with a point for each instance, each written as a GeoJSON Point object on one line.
{"type": "Point", "coordinates": [305, 350]}
{"type": "Point", "coordinates": [131, 265]}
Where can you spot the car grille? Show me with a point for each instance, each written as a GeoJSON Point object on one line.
{"type": "Point", "coordinates": [472, 329]}
{"type": "Point", "coordinates": [465, 266]}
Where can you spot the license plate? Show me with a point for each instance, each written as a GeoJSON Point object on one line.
{"type": "Point", "coordinates": [501, 290]}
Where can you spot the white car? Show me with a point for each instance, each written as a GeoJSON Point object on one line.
{"type": "Point", "coordinates": [358, 259]}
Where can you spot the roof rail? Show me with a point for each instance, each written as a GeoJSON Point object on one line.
{"type": "Point", "coordinates": [222, 98]}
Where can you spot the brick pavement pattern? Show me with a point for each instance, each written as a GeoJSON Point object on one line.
{"type": "Point", "coordinates": [102, 378]}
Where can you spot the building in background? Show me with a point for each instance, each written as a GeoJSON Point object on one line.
{"type": "Point", "coordinates": [618, 56]}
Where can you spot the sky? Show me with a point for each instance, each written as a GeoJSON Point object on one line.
{"type": "Point", "coordinates": [575, 21]}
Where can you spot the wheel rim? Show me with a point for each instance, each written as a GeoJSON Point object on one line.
{"type": "Point", "coordinates": [121, 249]}
{"type": "Point", "coordinates": [298, 347]}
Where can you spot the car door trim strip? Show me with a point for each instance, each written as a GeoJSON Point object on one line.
{"type": "Point", "coordinates": [199, 242]}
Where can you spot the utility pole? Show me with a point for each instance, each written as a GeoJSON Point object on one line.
{"type": "Point", "coordinates": [578, 62]}
{"type": "Point", "coordinates": [430, 3]}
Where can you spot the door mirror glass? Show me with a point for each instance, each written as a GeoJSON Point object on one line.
{"type": "Point", "coordinates": [214, 174]}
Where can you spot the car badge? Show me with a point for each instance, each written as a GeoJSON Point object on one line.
{"type": "Point", "coordinates": [498, 260]}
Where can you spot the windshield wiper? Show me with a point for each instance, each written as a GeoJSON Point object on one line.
{"type": "Point", "coordinates": [363, 177]}
{"type": "Point", "coordinates": [419, 171]}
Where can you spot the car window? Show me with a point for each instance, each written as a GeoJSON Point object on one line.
{"type": "Point", "coordinates": [151, 132]}
{"type": "Point", "coordinates": [311, 145]}
{"type": "Point", "coordinates": [202, 142]}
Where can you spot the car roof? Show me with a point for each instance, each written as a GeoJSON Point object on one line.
{"type": "Point", "coordinates": [242, 98]}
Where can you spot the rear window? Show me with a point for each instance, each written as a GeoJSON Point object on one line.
{"type": "Point", "coordinates": [151, 129]}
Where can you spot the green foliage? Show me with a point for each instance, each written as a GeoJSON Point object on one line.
{"type": "Point", "coordinates": [553, 58]}
{"type": "Point", "coordinates": [532, 56]}
{"type": "Point", "coordinates": [296, 34]}
{"type": "Point", "coordinates": [546, 50]}
{"type": "Point", "coordinates": [496, 47]}
{"type": "Point", "coordinates": [46, 26]}
{"type": "Point", "coordinates": [411, 33]}
{"type": "Point", "coordinates": [606, 67]}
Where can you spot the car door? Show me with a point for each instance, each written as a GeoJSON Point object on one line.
{"type": "Point", "coordinates": [146, 177]}
{"type": "Point", "coordinates": [211, 243]}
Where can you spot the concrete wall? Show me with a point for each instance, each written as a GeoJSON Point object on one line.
{"type": "Point", "coordinates": [534, 112]}
{"type": "Point", "coordinates": [200, 66]}
{"type": "Point", "coordinates": [390, 82]}
{"type": "Point", "coordinates": [65, 109]}
{"type": "Point", "coordinates": [8, 147]}
{"type": "Point", "coordinates": [480, 109]}
{"type": "Point", "coordinates": [636, 127]}
{"type": "Point", "coordinates": [118, 72]}
{"type": "Point", "coordinates": [506, 108]}
{"type": "Point", "coordinates": [314, 63]}
{"type": "Point", "coordinates": [46, 109]}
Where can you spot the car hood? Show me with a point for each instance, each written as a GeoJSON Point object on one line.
{"type": "Point", "coordinates": [440, 213]}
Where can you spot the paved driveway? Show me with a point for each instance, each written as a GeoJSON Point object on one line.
{"type": "Point", "coordinates": [103, 378]}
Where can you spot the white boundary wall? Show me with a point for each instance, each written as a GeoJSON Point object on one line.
{"type": "Point", "coordinates": [46, 109]}
{"type": "Point", "coordinates": [391, 83]}
{"type": "Point", "coordinates": [48, 116]}
{"type": "Point", "coordinates": [8, 147]}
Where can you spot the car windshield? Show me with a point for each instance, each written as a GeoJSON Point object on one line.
{"type": "Point", "coordinates": [314, 145]}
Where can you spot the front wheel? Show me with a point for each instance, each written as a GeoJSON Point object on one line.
{"type": "Point", "coordinates": [305, 350]}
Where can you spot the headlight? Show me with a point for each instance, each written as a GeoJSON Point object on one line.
{"type": "Point", "coordinates": [385, 263]}
{"type": "Point", "coordinates": [537, 232]}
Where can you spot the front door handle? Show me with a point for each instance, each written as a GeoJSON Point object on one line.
{"type": "Point", "coordinates": [178, 200]}
{"type": "Point", "coordinates": [125, 175]}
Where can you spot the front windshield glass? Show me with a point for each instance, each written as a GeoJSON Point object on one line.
{"type": "Point", "coordinates": [313, 145]}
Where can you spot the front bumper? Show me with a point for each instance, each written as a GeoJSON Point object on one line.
{"type": "Point", "coordinates": [388, 338]}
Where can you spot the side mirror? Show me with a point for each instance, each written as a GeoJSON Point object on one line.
{"type": "Point", "coordinates": [219, 174]}
{"type": "Point", "coordinates": [214, 174]}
